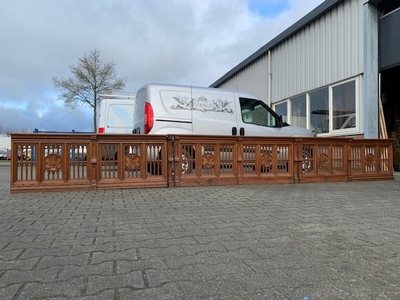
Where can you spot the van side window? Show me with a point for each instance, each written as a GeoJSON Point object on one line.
{"type": "Point", "coordinates": [254, 112]}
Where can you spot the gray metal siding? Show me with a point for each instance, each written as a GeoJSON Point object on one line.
{"type": "Point", "coordinates": [328, 50]}
{"type": "Point", "coordinates": [252, 79]}
{"type": "Point", "coordinates": [308, 19]}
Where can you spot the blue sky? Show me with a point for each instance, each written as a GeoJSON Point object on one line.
{"type": "Point", "coordinates": [270, 8]}
{"type": "Point", "coordinates": [183, 42]}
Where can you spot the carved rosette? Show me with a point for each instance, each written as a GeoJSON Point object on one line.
{"type": "Point", "coordinates": [266, 160]}
{"type": "Point", "coordinates": [370, 160]}
{"type": "Point", "coordinates": [52, 163]}
{"type": "Point", "coordinates": [208, 161]}
{"type": "Point", "coordinates": [132, 162]}
{"type": "Point", "coordinates": [323, 160]}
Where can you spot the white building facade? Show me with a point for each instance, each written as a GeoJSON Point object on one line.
{"type": "Point", "coordinates": [329, 70]}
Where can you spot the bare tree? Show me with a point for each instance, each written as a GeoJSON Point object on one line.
{"type": "Point", "coordinates": [8, 131]}
{"type": "Point", "coordinates": [92, 78]}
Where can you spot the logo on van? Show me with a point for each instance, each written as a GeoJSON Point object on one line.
{"type": "Point", "coordinates": [203, 104]}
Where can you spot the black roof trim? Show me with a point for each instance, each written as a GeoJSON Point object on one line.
{"type": "Point", "coordinates": [315, 14]}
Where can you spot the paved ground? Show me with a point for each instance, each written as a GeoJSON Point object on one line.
{"type": "Point", "coordinates": [321, 241]}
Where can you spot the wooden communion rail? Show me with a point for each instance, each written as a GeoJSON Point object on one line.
{"type": "Point", "coordinates": [55, 162]}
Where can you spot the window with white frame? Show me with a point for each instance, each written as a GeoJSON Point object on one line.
{"type": "Point", "coordinates": [329, 110]}
{"type": "Point", "coordinates": [319, 110]}
{"type": "Point", "coordinates": [344, 106]}
{"type": "Point", "coordinates": [281, 109]}
{"type": "Point", "coordinates": [298, 112]}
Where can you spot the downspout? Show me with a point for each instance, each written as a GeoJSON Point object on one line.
{"type": "Point", "coordinates": [269, 79]}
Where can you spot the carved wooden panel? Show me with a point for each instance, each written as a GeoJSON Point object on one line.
{"type": "Point", "coordinates": [52, 163]}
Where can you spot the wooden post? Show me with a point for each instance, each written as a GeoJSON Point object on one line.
{"type": "Point", "coordinates": [382, 123]}
{"type": "Point", "coordinates": [94, 167]}
{"type": "Point", "coordinates": [239, 159]}
{"type": "Point", "coordinates": [297, 160]}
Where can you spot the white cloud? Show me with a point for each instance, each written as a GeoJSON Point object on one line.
{"type": "Point", "coordinates": [178, 41]}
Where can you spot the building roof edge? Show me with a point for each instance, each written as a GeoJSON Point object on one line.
{"type": "Point", "coordinates": [315, 14]}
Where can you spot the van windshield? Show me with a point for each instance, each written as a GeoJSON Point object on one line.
{"type": "Point", "coordinates": [257, 113]}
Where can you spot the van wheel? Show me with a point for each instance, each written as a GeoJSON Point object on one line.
{"type": "Point", "coordinates": [187, 163]}
{"type": "Point", "coordinates": [187, 155]}
{"type": "Point", "coordinates": [154, 167]}
{"type": "Point", "coordinates": [307, 165]}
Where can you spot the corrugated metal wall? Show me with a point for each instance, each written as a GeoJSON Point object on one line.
{"type": "Point", "coordinates": [328, 50]}
{"type": "Point", "coordinates": [252, 79]}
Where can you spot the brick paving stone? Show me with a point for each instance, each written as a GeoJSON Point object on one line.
{"type": "Point", "coordinates": [212, 271]}
{"type": "Point", "coordinates": [18, 264]}
{"type": "Point", "coordinates": [169, 291]}
{"type": "Point", "coordinates": [160, 277]}
{"type": "Point", "coordinates": [271, 279]}
{"type": "Point", "coordinates": [75, 260]}
{"type": "Point", "coordinates": [124, 243]}
{"type": "Point", "coordinates": [79, 249]}
{"type": "Point", "coordinates": [188, 233]}
{"type": "Point", "coordinates": [71, 271]}
{"type": "Point", "coordinates": [174, 250]}
{"type": "Point", "coordinates": [24, 243]}
{"type": "Point", "coordinates": [43, 252]}
{"type": "Point", "coordinates": [103, 295]}
{"type": "Point", "coordinates": [321, 291]}
{"type": "Point", "coordinates": [10, 255]}
{"type": "Point", "coordinates": [234, 245]}
{"type": "Point", "coordinates": [321, 241]}
{"type": "Point", "coordinates": [221, 287]}
{"type": "Point", "coordinates": [276, 262]}
{"type": "Point", "coordinates": [369, 287]}
{"type": "Point", "coordinates": [211, 257]}
{"type": "Point", "coordinates": [99, 257]}
{"type": "Point", "coordinates": [73, 242]}
{"type": "Point", "coordinates": [205, 239]}
{"type": "Point", "coordinates": [127, 266]}
{"type": "Point", "coordinates": [8, 292]}
{"type": "Point", "coordinates": [16, 276]}
{"type": "Point", "coordinates": [211, 246]}
{"type": "Point", "coordinates": [97, 283]}
{"type": "Point", "coordinates": [66, 289]}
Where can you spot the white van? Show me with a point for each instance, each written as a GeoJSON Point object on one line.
{"type": "Point", "coordinates": [176, 109]}
{"type": "Point", "coordinates": [116, 114]}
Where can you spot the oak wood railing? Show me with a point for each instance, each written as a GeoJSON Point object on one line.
{"type": "Point", "coordinates": [60, 162]}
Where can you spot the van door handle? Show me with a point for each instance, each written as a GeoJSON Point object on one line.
{"type": "Point", "coordinates": [241, 131]}
{"type": "Point", "coordinates": [234, 131]}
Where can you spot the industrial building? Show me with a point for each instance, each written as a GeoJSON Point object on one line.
{"type": "Point", "coordinates": [335, 71]}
